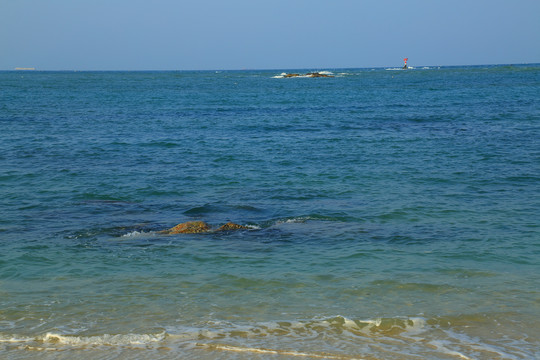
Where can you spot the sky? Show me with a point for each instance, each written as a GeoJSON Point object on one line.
{"type": "Point", "coordinates": [261, 34]}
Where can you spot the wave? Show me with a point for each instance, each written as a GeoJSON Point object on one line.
{"type": "Point", "coordinates": [56, 341]}
{"type": "Point", "coordinates": [106, 339]}
{"type": "Point", "coordinates": [463, 337]}
{"type": "Point", "coordinates": [417, 336]}
{"type": "Point", "coordinates": [223, 330]}
{"type": "Point", "coordinates": [252, 350]}
{"type": "Point", "coordinates": [307, 75]}
{"type": "Point", "coordinates": [136, 233]}
{"type": "Point", "coordinates": [307, 218]}
{"type": "Point", "coordinates": [294, 220]}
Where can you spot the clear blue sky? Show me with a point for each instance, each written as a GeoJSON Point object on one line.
{"type": "Point", "coordinates": [258, 34]}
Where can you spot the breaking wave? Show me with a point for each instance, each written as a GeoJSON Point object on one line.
{"type": "Point", "coordinates": [135, 233]}
{"type": "Point", "coordinates": [55, 341]}
{"type": "Point", "coordinates": [345, 338]}
{"type": "Point", "coordinates": [305, 75]}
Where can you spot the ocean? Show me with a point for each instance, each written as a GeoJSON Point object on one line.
{"type": "Point", "coordinates": [389, 214]}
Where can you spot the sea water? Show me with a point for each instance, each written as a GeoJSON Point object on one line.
{"type": "Point", "coordinates": [391, 214]}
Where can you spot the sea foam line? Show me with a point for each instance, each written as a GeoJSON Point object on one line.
{"type": "Point", "coordinates": [74, 340]}
{"type": "Point", "coordinates": [138, 233]}
{"type": "Point", "coordinates": [232, 348]}
{"type": "Point", "coordinates": [106, 339]}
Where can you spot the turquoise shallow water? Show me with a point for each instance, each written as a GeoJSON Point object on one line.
{"type": "Point", "coordinates": [392, 214]}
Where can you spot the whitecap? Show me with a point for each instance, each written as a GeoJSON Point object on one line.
{"type": "Point", "coordinates": [105, 339]}
{"type": "Point", "coordinates": [137, 233]}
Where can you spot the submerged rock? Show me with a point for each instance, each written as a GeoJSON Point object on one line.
{"type": "Point", "coordinates": [190, 227]}
{"type": "Point", "coordinates": [316, 74]}
{"type": "Point", "coordinates": [231, 226]}
{"type": "Point", "coordinates": [195, 227]}
{"type": "Point", "coordinates": [311, 74]}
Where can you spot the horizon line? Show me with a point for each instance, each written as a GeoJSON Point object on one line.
{"type": "Point", "coordinates": [34, 69]}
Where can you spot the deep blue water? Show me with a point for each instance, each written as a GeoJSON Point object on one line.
{"type": "Point", "coordinates": [392, 214]}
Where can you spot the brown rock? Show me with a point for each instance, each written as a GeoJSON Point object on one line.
{"type": "Point", "coordinates": [316, 74]}
{"type": "Point", "coordinates": [190, 227]}
{"type": "Point", "coordinates": [231, 226]}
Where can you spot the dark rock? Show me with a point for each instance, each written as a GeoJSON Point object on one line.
{"type": "Point", "coordinates": [190, 227]}
{"type": "Point", "coordinates": [231, 226]}
{"type": "Point", "coordinates": [316, 74]}
{"type": "Point", "coordinates": [312, 74]}
{"type": "Point", "coordinates": [195, 227]}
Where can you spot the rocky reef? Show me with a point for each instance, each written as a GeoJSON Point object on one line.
{"type": "Point", "coordinates": [195, 227]}
{"type": "Point", "coordinates": [311, 74]}
{"type": "Point", "coordinates": [231, 226]}
{"type": "Point", "coordinates": [316, 74]}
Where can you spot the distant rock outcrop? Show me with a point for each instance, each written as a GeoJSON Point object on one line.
{"type": "Point", "coordinates": [195, 227]}
{"type": "Point", "coordinates": [311, 74]}
{"type": "Point", "coordinates": [316, 74]}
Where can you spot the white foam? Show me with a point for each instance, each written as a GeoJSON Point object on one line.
{"type": "Point", "coordinates": [440, 345]}
{"type": "Point", "coordinates": [296, 220]}
{"type": "Point", "coordinates": [373, 322]}
{"type": "Point", "coordinates": [106, 339]}
{"type": "Point", "coordinates": [464, 340]}
{"type": "Point", "coordinates": [302, 76]}
{"type": "Point", "coordinates": [399, 69]}
{"type": "Point", "coordinates": [375, 333]}
{"type": "Point", "coordinates": [415, 325]}
{"type": "Point", "coordinates": [14, 339]}
{"type": "Point", "coordinates": [138, 233]}
{"type": "Point", "coordinates": [57, 342]}
{"type": "Point", "coordinates": [241, 349]}
{"type": "Point", "coordinates": [280, 76]}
